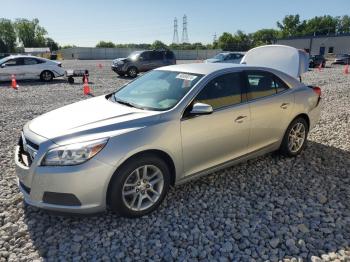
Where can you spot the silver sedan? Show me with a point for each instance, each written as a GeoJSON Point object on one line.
{"type": "Point", "coordinates": [124, 150]}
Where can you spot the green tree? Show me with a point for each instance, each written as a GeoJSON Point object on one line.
{"type": "Point", "coordinates": [30, 33]}
{"type": "Point", "coordinates": [343, 24]}
{"type": "Point", "coordinates": [291, 26]}
{"type": "Point", "coordinates": [264, 37]}
{"type": "Point", "coordinates": [51, 44]}
{"type": "Point", "coordinates": [7, 36]}
{"type": "Point", "coordinates": [158, 45]}
{"type": "Point", "coordinates": [103, 44]}
{"type": "Point", "coordinates": [225, 41]}
{"type": "Point", "coordinates": [321, 25]}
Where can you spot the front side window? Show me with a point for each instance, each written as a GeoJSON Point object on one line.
{"type": "Point", "coordinates": [263, 84]}
{"type": "Point", "coordinates": [156, 55]}
{"type": "Point", "coordinates": [225, 90]}
{"type": "Point", "coordinates": [157, 90]}
{"type": "Point", "coordinates": [14, 62]}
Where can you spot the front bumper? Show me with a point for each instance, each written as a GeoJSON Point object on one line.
{"type": "Point", "coordinates": [118, 68]}
{"type": "Point", "coordinates": [69, 189]}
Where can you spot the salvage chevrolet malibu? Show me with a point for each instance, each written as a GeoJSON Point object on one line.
{"type": "Point", "coordinates": [123, 151]}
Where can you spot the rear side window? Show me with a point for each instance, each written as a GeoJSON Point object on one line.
{"type": "Point", "coordinates": [225, 90]}
{"type": "Point", "coordinates": [156, 55]}
{"type": "Point", "coordinates": [169, 55]}
{"type": "Point", "coordinates": [263, 84]}
{"type": "Point", "coordinates": [30, 61]}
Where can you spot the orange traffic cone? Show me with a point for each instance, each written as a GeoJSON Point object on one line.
{"type": "Point", "coordinates": [14, 84]}
{"type": "Point", "coordinates": [346, 69]}
{"type": "Point", "coordinates": [86, 87]}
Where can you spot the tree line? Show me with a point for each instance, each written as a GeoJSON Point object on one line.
{"type": "Point", "coordinates": [290, 26]}
{"type": "Point", "coordinates": [14, 35]}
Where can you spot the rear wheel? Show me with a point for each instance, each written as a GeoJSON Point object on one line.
{"type": "Point", "coordinates": [294, 140]}
{"type": "Point", "coordinates": [139, 186]}
{"type": "Point", "coordinates": [132, 71]}
{"type": "Point", "coordinates": [46, 76]}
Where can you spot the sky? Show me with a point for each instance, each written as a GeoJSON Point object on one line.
{"type": "Point", "coordinates": [86, 22]}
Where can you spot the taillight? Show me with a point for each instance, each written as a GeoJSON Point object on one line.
{"type": "Point", "coordinates": [317, 90]}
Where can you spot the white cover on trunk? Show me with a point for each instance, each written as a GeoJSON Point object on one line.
{"type": "Point", "coordinates": [289, 60]}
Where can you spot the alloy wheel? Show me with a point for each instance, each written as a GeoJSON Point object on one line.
{"type": "Point", "coordinates": [296, 138]}
{"type": "Point", "coordinates": [143, 187]}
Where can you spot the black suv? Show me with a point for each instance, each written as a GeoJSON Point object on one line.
{"type": "Point", "coordinates": [141, 61]}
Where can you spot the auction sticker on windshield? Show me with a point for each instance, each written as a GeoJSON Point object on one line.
{"type": "Point", "coordinates": [186, 77]}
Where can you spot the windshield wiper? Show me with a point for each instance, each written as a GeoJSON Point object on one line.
{"type": "Point", "coordinates": [126, 103]}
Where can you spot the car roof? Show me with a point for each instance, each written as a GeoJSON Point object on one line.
{"type": "Point", "coordinates": [23, 56]}
{"type": "Point", "coordinates": [200, 68]}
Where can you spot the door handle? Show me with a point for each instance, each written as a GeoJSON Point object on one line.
{"type": "Point", "coordinates": [284, 105]}
{"type": "Point", "coordinates": [240, 119]}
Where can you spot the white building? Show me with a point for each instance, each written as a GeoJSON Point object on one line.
{"type": "Point", "coordinates": [323, 45]}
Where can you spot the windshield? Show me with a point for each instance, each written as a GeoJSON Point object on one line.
{"type": "Point", "coordinates": [157, 90]}
{"type": "Point", "coordinates": [220, 56]}
{"type": "Point", "coordinates": [134, 55]}
{"type": "Point", "coordinates": [3, 60]}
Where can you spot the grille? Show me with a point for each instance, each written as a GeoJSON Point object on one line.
{"type": "Point", "coordinates": [27, 151]}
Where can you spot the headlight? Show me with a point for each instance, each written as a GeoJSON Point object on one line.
{"type": "Point", "coordinates": [73, 154]}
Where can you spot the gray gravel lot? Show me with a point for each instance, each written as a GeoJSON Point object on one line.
{"type": "Point", "coordinates": [270, 208]}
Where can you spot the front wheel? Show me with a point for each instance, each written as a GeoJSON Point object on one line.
{"type": "Point", "coordinates": [139, 186]}
{"type": "Point", "coordinates": [294, 140]}
{"type": "Point", "coordinates": [46, 76]}
{"type": "Point", "coordinates": [132, 72]}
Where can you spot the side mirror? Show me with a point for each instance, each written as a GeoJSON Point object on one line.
{"type": "Point", "coordinates": [201, 109]}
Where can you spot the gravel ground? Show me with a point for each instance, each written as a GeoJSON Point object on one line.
{"type": "Point", "coordinates": [270, 208]}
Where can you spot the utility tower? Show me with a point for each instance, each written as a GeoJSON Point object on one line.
{"type": "Point", "coordinates": [176, 35]}
{"type": "Point", "coordinates": [214, 38]}
{"type": "Point", "coordinates": [184, 30]}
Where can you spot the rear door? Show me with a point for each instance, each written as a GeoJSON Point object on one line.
{"type": "Point", "coordinates": [210, 140]}
{"type": "Point", "coordinates": [31, 68]}
{"type": "Point", "coordinates": [158, 59]}
{"type": "Point", "coordinates": [270, 101]}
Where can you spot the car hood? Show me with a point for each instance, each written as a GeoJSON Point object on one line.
{"type": "Point", "coordinates": [212, 60]}
{"type": "Point", "coordinates": [120, 59]}
{"type": "Point", "coordinates": [89, 118]}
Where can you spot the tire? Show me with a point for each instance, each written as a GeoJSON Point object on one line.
{"type": "Point", "coordinates": [286, 147]}
{"type": "Point", "coordinates": [46, 76]}
{"type": "Point", "coordinates": [121, 74]}
{"type": "Point", "coordinates": [124, 200]}
{"type": "Point", "coordinates": [132, 71]}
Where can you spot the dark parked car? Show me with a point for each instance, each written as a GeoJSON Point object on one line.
{"type": "Point", "coordinates": [316, 61]}
{"type": "Point", "coordinates": [342, 59]}
{"type": "Point", "coordinates": [141, 61]}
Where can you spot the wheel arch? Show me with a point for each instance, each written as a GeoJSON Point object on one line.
{"type": "Point", "coordinates": [305, 117]}
{"type": "Point", "coordinates": [155, 152]}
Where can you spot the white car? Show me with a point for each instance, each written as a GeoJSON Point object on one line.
{"type": "Point", "coordinates": [226, 57]}
{"type": "Point", "coordinates": [29, 67]}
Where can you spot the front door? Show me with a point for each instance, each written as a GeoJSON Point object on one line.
{"type": "Point", "coordinates": [12, 67]}
{"type": "Point", "coordinates": [271, 103]}
{"type": "Point", "coordinates": [210, 140]}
